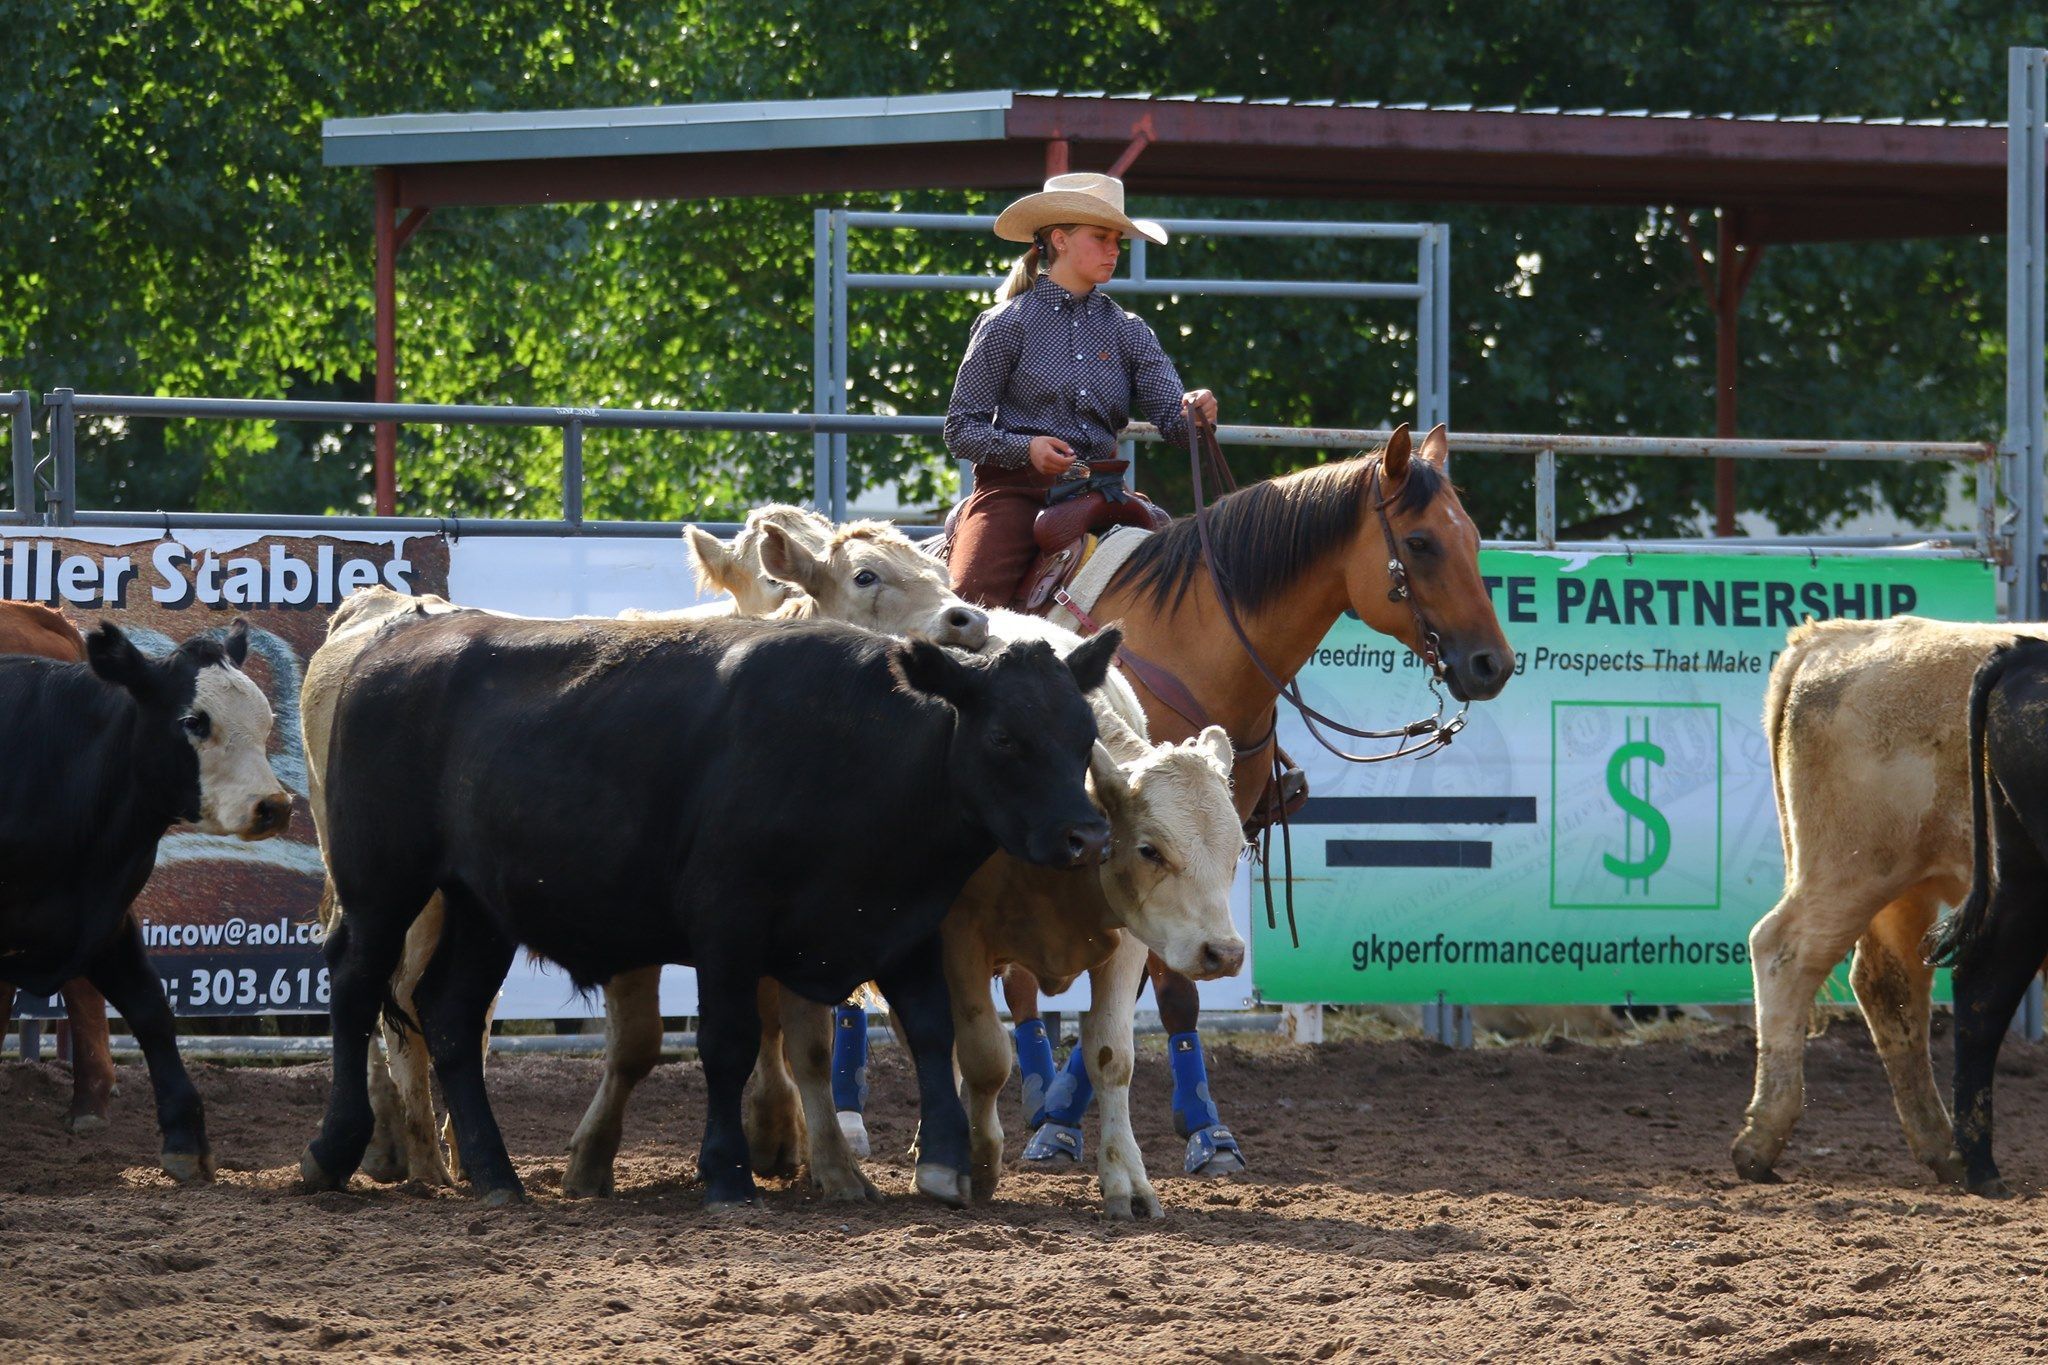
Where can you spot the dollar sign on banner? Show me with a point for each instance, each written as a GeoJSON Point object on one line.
{"type": "Point", "coordinates": [1656, 829]}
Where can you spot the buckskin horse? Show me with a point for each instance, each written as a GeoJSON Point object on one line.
{"type": "Point", "coordinates": [1221, 609]}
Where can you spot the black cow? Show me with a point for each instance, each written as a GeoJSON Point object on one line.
{"type": "Point", "coordinates": [801, 802]}
{"type": "Point", "coordinates": [1996, 941]}
{"type": "Point", "coordinates": [97, 761]}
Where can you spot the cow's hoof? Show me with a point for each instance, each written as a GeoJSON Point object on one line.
{"type": "Point", "coordinates": [943, 1183]}
{"type": "Point", "coordinates": [79, 1125]}
{"type": "Point", "coordinates": [188, 1168]}
{"type": "Point", "coordinates": [315, 1176]}
{"type": "Point", "coordinates": [386, 1168]}
{"type": "Point", "coordinates": [503, 1197]}
{"type": "Point", "coordinates": [1753, 1166]}
{"type": "Point", "coordinates": [855, 1129]}
{"type": "Point", "coordinates": [1128, 1207]}
{"type": "Point", "coordinates": [1993, 1187]}
{"type": "Point", "coordinates": [1949, 1169]}
{"type": "Point", "coordinates": [580, 1185]}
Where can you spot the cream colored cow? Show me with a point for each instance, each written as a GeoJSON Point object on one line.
{"type": "Point", "coordinates": [1867, 726]}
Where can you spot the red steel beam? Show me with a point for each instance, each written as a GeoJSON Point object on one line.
{"type": "Point", "coordinates": [386, 440]}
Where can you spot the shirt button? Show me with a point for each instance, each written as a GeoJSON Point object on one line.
{"type": "Point", "coordinates": [1077, 355]}
{"type": "Point", "coordinates": [1084, 393]}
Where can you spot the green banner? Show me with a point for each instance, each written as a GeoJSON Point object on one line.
{"type": "Point", "coordinates": [1604, 828]}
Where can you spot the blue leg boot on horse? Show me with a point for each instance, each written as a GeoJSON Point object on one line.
{"type": "Point", "coordinates": [850, 1073]}
{"type": "Point", "coordinates": [1056, 1127]}
{"type": "Point", "coordinates": [1212, 1149]}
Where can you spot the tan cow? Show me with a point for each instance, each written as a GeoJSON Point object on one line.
{"type": "Point", "coordinates": [736, 569]}
{"type": "Point", "coordinates": [1867, 726]}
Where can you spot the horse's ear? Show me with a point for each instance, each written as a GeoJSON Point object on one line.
{"type": "Point", "coordinates": [1394, 463]}
{"type": "Point", "coordinates": [1436, 447]}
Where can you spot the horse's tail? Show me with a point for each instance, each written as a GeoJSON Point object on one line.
{"type": "Point", "coordinates": [1954, 936]}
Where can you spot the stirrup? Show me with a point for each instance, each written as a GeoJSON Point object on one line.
{"type": "Point", "coordinates": [856, 1130]}
{"type": "Point", "coordinates": [1054, 1144]}
{"type": "Point", "coordinates": [1213, 1151]}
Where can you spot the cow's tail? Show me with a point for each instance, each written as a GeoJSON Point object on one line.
{"type": "Point", "coordinates": [1954, 935]}
{"type": "Point", "coordinates": [1776, 694]}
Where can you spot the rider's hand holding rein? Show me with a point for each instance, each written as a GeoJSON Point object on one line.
{"type": "Point", "coordinates": [1051, 455]}
{"type": "Point", "coordinates": [1200, 404]}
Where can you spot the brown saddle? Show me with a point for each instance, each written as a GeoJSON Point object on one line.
{"type": "Point", "coordinates": [1075, 509]}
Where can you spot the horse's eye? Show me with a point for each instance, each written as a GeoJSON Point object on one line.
{"type": "Point", "coordinates": [1420, 544]}
{"type": "Point", "coordinates": [197, 725]}
{"type": "Point", "coordinates": [1001, 739]}
{"type": "Point", "coordinates": [866, 578]}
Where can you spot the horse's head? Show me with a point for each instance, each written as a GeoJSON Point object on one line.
{"type": "Point", "coordinates": [1438, 549]}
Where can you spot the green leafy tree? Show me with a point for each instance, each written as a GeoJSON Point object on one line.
{"type": "Point", "coordinates": [170, 229]}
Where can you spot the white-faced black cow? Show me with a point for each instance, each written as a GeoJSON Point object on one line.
{"type": "Point", "coordinates": [97, 761]}
{"type": "Point", "coordinates": [1997, 940]}
{"type": "Point", "coordinates": [800, 801]}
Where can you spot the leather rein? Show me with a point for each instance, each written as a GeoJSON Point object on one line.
{"type": "Point", "coordinates": [1433, 732]}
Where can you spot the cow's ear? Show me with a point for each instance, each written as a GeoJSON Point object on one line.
{"type": "Point", "coordinates": [710, 561]}
{"type": "Point", "coordinates": [1112, 788]}
{"type": "Point", "coordinates": [1214, 742]}
{"type": "Point", "coordinates": [923, 669]}
{"type": "Point", "coordinates": [114, 657]}
{"type": "Point", "coordinates": [786, 559]}
{"type": "Point", "coordinates": [1089, 661]}
{"type": "Point", "coordinates": [237, 643]}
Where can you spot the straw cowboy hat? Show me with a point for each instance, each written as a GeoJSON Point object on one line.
{"type": "Point", "coordinates": [1083, 197]}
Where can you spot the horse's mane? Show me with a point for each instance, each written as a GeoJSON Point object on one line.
{"type": "Point", "coordinates": [1267, 535]}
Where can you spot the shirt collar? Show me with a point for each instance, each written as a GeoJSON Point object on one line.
{"type": "Point", "coordinates": [1054, 293]}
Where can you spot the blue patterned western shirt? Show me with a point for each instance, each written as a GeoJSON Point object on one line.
{"type": "Point", "coordinates": [1046, 363]}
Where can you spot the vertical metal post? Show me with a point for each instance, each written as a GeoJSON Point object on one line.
{"type": "Point", "coordinates": [572, 475]}
{"type": "Point", "coordinates": [1138, 245]}
{"type": "Point", "coordinates": [1425, 331]}
{"type": "Point", "coordinates": [64, 457]}
{"type": "Point", "coordinates": [24, 446]}
{"type": "Point", "coordinates": [386, 288]}
{"type": "Point", "coordinates": [1441, 296]}
{"type": "Point", "coordinates": [2026, 250]}
{"type": "Point", "coordinates": [1546, 498]}
{"type": "Point", "coordinates": [822, 232]}
{"type": "Point", "coordinates": [839, 374]}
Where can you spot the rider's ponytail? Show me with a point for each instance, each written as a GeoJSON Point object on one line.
{"type": "Point", "coordinates": [1025, 272]}
{"type": "Point", "coordinates": [1021, 275]}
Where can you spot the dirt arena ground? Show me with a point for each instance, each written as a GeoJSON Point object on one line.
{"type": "Point", "coordinates": [1552, 1202]}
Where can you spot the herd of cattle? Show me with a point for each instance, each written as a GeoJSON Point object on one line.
{"type": "Point", "coordinates": [840, 773]}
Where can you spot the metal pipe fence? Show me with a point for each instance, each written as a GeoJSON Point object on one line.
{"type": "Point", "coordinates": [19, 407]}
{"type": "Point", "coordinates": [66, 407]}
{"type": "Point", "coordinates": [833, 284]}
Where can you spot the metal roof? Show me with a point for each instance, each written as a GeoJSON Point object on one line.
{"type": "Point", "coordinates": [1787, 178]}
{"type": "Point", "coordinates": [663, 129]}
